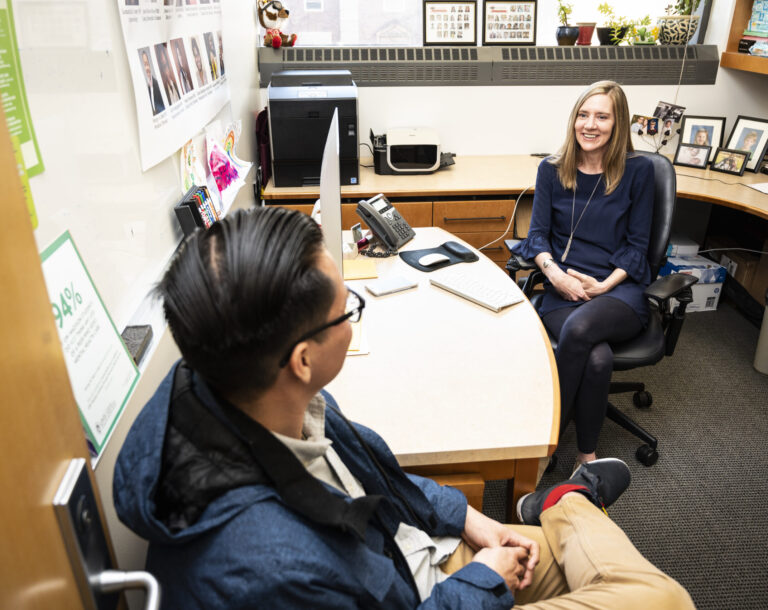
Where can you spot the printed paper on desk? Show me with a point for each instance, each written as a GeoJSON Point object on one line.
{"type": "Point", "coordinates": [358, 346]}
{"type": "Point", "coordinates": [762, 187]}
{"type": "Point", "coordinates": [360, 269]}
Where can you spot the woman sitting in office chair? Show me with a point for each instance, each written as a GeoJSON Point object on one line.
{"type": "Point", "coordinates": [589, 235]}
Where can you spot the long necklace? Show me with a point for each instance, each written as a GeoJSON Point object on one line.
{"type": "Point", "coordinates": [573, 213]}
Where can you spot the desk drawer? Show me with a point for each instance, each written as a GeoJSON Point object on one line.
{"type": "Point", "coordinates": [497, 252]}
{"type": "Point", "coordinates": [417, 213]}
{"type": "Point", "coordinates": [472, 216]}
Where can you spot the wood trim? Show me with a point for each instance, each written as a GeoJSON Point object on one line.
{"type": "Point", "coordinates": [40, 429]}
{"type": "Point", "coordinates": [471, 485]}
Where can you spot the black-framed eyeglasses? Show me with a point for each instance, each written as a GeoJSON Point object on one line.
{"type": "Point", "coordinates": [352, 312]}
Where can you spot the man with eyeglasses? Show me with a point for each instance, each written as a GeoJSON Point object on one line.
{"type": "Point", "coordinates": [254, 491]}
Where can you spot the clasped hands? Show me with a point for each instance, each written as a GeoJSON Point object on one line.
{"type": "Point", "coordinates": [499, 547]}
{"type": "Point", "coordinates": [575, 286]}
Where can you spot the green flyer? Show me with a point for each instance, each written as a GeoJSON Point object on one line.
{"type": "Point", "coordinates": [14, 95]}
{"type": "Point", "coordinates": [24, 181]}
{"type": "Point", "coordinates": [101, 371]}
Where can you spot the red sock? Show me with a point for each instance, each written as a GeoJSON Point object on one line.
{"type": "Point", "coordinates": [558, 492]}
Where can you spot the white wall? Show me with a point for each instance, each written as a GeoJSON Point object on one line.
{"type": "Point", "coordinates": [81, 105]}
{"type": "Point", "coordinates": [521, 120]}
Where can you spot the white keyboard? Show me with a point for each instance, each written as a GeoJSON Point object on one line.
{"type": "Point", "coordinates": [485, 292]}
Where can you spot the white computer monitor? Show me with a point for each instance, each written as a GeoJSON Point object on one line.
{"type": "Point", "coordinates": [330, 192]}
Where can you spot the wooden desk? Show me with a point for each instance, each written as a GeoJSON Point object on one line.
{"type": "Point", "coordinates": [500, 175]}
{"type": "Point", "coordinates": [454, 388]}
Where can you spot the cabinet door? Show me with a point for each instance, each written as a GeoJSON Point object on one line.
{"type": "Point", "coordinates": [306, 208]}
{"type": "Point", "coordinates": [473, 216]}
{"type": "Point", "coordinates": [416, 213]}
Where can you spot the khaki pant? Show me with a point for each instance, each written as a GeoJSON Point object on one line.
{"type": "Point", "coordinates": [586, 561]}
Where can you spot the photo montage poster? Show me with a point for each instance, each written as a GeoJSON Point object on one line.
{"type": "Point", "coordinates": [175, 55]}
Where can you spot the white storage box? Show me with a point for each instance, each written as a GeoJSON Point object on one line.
{"type": "Point", "coordinates": [707, 291]}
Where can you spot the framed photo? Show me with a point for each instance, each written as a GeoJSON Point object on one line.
{"type": "Point", "coordinates": [751, 135]}
{"type": "Point", "coordinates": [692, 155]}
{"type": "Point", "coordinates": [730, 161]}
{"type": "Point", "coordinates": [666, 111]}
{"type": "Point", "coordinates": [510, 22]}
{"type": "Point", "coordinates": [704, 131]}
{"type": "Point", "coordinates": [450, 23]}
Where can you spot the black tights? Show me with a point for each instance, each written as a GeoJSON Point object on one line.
{"type": "Point", "coordinates": [585, 360]}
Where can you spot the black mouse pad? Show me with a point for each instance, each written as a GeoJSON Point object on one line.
{"type": "Point", "coordinates": [455, 252]}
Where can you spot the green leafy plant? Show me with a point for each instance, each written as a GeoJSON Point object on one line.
{"type": "Point", "coordinates": [683, 7]}
{"type": "Point", "coordinates": [641, 32]}
{"type": "Point", "coordinates": [618, 25]}
{"type": "Point", "coordinates": [610, 18]}
{"type": "Point", "coordinates": [563, 10]}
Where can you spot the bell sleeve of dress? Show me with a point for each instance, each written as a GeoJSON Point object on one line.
{"type": "Point", "coordinates": [541, 216]}
{"type": "Point", "coordinates": [632, 255]}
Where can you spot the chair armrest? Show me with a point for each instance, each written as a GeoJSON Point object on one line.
{"type": "Point", "coordinates": [516, 262]}
{"type": "Point", "coordinates": [670, 286]}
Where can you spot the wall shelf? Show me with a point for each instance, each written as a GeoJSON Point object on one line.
{"type": "Point", "coordinates": [731, 58]}
{"type": "Point", "coordinates": [744, 61]}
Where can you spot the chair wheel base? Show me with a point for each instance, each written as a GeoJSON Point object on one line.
{"type": "Point", "coordinates": [642, 400]}
{"type": "Point", "coordinates": [646, 455]}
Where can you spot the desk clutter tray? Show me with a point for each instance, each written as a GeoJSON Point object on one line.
{"type": "Point", "coordinates": [196, 209]}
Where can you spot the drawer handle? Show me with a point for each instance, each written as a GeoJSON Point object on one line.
{"type": "Point", "coordinates": [446, 219]}
{"type": "Point", "coordinates": [489, 249]}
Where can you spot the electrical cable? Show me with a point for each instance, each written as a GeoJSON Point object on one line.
{"type": "Point", "coordinates": [511, 219]}
{"type": "Point", "coordinates": [715, 180]}
{"type": "Point", "coordinates": [732, 249]}
{"type": "Point", "coordinates": [359, 144]}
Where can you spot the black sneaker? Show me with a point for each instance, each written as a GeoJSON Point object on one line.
{"type": "Point", "coordinates": [605, 480]}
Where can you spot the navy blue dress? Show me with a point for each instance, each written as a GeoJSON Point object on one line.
{"type": "Point", "coordinates": [613, 232]}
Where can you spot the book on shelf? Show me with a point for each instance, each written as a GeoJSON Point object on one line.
{"type": "Point", "coordinates": [746, 42]}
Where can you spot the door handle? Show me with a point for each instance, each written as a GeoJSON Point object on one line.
{"type": "Point", "coordinates": [111, 581]}
{"type": "Point", "coordinates": [489, 249]}
{"type": "Point", "coordinates": [86, 543]}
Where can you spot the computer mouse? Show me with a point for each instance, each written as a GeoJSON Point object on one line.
{"type": "Point", "coordinates": [457, 249]}
{"type": "Point", "coordinates": [432, 259]}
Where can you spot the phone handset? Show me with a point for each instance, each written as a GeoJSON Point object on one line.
{"type": "Point", "coordinates": [385, 221]}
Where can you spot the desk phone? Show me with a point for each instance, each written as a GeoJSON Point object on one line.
{"type": "Point", "coordinates": [385, 221]}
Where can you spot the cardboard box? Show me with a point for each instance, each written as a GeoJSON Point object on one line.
{"type": "Point", "coordinates": [741, 266]}
{"type": "Point", "coordinates": [707, 291]}
{"type": "Point", "coordinates": [680, 245]}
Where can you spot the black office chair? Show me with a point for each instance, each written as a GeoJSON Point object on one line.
{"type": "Point", "coordinates": [659, 338]}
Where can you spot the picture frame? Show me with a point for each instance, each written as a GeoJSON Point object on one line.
{"type": "Point", "coordinates": [750, 134]}
{"type": "Point", "coordinates": [692, 155]}
{"type": "Point", "coordinates": [729, 161]}
{"type": "Point", "coordinates": [449, 23]}
{"type": "Point", "coordinates": [509, 22]}
{"type": "Point", "coordinates": [694, 129]}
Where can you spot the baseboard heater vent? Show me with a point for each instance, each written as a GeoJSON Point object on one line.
{"type": "Point", "coordinates": [477, 66]}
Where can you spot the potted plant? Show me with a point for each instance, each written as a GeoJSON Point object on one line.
{"type": "Point", "coordinates": [615, 28]}
{"type": "Point", "coordinates": [566, 34]}
{"type": "Point", "coordinates": [641, 32]}
{"type": "Point", "coordinates": [679, 25]}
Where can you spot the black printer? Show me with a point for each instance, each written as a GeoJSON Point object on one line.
{"type": "Point", "coordinates": [301, 105]}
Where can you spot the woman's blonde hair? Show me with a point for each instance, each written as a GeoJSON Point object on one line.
{"type": "Point", "coordinates": [620, 143]}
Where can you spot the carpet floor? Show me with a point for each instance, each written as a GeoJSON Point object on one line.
{"type": "Point", "coordinates": [699, 513]}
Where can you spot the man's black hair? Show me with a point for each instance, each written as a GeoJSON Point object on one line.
{"type": "Point", "coordinates": [239, 293]}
